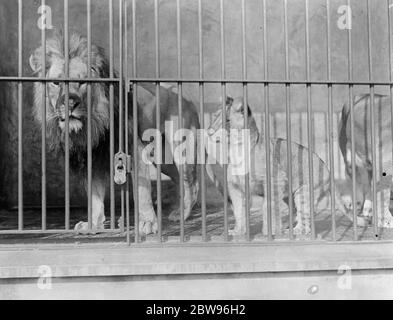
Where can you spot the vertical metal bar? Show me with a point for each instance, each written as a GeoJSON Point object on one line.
{"type": "Point", "coordinates": [309, 121]}
{"type": "Point", "coordinates": [245, 105]}
{"type": "Point", "coordinates": [43, 131]}
{"type": "Point", "coordinates": [288, 118]}
{"type": "Point", "coordinates": [202, 119]}
{"type": "Point", "coordinates": [20, 116]}
{"type": "Point", "coordinates": [372, 118]}
{"type": "Point", "coordinates": [135, 123]}
{"type": "Point", "coordinates": [267, 125]}
{"type": "Point", "coordinates": [67, 118]}
{"type": "Point", "coordinates": [339, 162]}
{"type": "Point", "coordinates": [390, 69]}
{"type": "Point", "coordinates": [112, 118]}
{"type": "Point", "coordinates": [179, 88]}
{"type": "Point", "coordinates": [352, 129]}
{"type": "Point", "coordinates": [121, 104]}
{"type": "Point", "coordinates": [326, 140]}
{"type": "Point", "coordinates": [158, 121]}
{"type": "Point", "coordinates": [330, 122]}
{"type": "Point", "coordinates": [224, 116]}
{"type": "Point", "coordinates": [89, 143]}
{"type": "Point", "coordinates": [126, 117]}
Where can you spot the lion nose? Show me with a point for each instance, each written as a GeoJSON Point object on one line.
{"type": "Point", "coordinates": [73, 101]}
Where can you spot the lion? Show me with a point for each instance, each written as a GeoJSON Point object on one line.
{"type": "Point", "coordinates": [279, 173]}
{"type": "Point", "coordinates": [363, 168]}
{"type": "Point", "coordinates": [100, 125]}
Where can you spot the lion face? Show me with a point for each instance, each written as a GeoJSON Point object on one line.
{"type": "Point", "coordinates": [55, 95]}
{"type": "Point", "coordinates": [234, 120]}
{"type": "Point", "coordinates": [77, 106]}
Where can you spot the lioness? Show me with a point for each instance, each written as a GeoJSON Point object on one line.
{"type": "Point", "coordinates": [363, 170]}
{"type": "Point", "coordinates": [100, 125]}
{"type": "Point", "coordinates": [257, 173]}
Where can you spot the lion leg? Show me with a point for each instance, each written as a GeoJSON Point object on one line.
{"type": "Point", "coordinates": [238, 199]}
{"type": "Point", "coordinates": [264, 217]}
{"type": "Point", "coordinates": [302, 204]}
{"type": "Point", "coordinates": [279, 207]}
{"type": "Point", "coordinates": [98, 208]}
{"type": "Point", "coordinates": [367, 208]}
{"type": "Point", "coordinates": [385, 219]}
{"type": "Point", "coordinates": [147, 217]}
{"type": "Point", "coordinates": [190, 187]}
{"type": "Point", "coordinates": [276, 212]}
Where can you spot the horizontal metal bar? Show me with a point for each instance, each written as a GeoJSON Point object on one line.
{"type": "Point", "coordinates": [195, 80]}
{"type": "Point", "coordinates": [263, 81]}
{"type": "Point", "coordinates": [40, 79]}
{"type": "Point", "coordinates": [215, 241]}
{"type": "Point", "coordinates": [38, 208]}
{"type": "Point", "coordinates": [51, 231]}
{"type": "Point", "coordinates": [220, 242]}
{"type": "Point", "coordinates": [195, 241]}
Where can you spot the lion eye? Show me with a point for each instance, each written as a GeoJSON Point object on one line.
{"type": "Point", "coordinates": [56, 83]}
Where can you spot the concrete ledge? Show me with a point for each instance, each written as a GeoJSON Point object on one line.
{"type": "Point", "coordinates": [121, 260]}
{"type": "Point", "coordinates": [375, 284]}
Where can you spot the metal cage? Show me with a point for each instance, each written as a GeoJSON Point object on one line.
{"type": "Point", "coordinates": [127, 81]}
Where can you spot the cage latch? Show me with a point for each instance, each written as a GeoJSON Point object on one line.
{"type": "Point", "coordinates": [122, 165]}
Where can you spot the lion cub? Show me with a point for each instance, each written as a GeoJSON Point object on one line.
{"type": "Point", "coordinates": [300, 197]}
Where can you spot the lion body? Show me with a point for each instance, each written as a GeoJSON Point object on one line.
{"type": "Point", "coordinates": [363, 153]}
{"type": "Point", "coordinates": [52, 95]}
{"type": "Point", "coordinates": [279, 182]}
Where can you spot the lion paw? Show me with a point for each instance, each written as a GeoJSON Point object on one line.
{"type": "Point", "coordinates": [386, 221]}
{"type": "Point", "coordinates": [367, 209]}
{"type": "Point", "coordinates": [236, 232]}
{"type": "Point", "coordinates": [120, 222]}
{"type": "Point", "coordinates": [83, 227]}
{"type": "Point", "coordinates": [148, 227]}
{"type": "Point", "coordinates": [347, 202]}
{"type": "Point", "coordinates": [362, 221]}
{"type": "Point", "coordinates": [297, 230]}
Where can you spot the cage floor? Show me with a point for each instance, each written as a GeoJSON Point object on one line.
{"type": "Point", "coordinates": [171, 230]}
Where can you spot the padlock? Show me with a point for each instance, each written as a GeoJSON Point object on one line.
{"type": "Point", "coordinates": [122, 165]}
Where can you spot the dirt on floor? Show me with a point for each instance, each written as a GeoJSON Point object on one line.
{"type": "Point", "coordinates": [344, 229]}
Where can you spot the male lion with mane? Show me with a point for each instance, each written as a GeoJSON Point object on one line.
{"type": "Point", "coordinates": [100, 125]}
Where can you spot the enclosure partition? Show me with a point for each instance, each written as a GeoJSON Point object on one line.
{"type": "Point", "coordinates": [127, 81]}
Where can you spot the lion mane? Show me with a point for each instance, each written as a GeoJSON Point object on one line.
{"type": "Point", "coordinates": [100, 109]}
